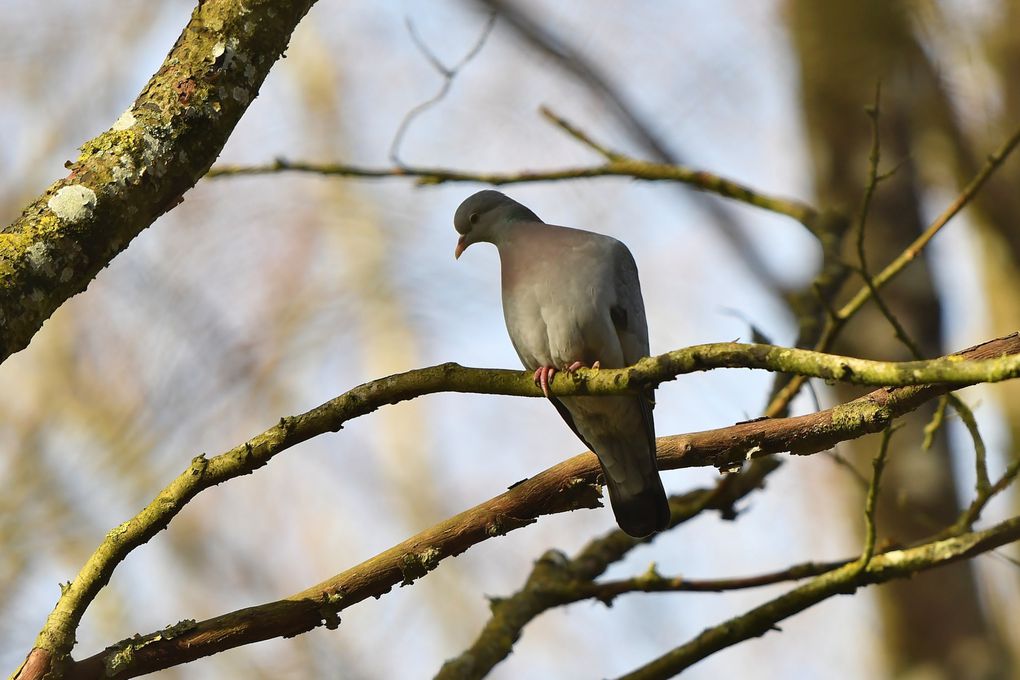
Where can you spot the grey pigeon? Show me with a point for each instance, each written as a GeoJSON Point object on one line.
{"type": "Point", "coordinates": [571, 298]}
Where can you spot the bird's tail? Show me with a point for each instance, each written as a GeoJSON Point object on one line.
{"type": "Point", "coordinates": [620, 431]}
{"type": "Point", "coordinates": [641, 509]}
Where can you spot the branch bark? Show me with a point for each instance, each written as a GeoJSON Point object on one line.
{"type": "Point", "coordinates": [556, 580]}
{"type": "Point", "coordinates": [895, 564]}
{"type": "Point", "coordinates": [569, 485]}
{"type": "Point", "coordinates": [141, 167]}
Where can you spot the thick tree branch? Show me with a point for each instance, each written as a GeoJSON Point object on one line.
{"type": "Point", "coordinates": [571, 484]}
{"type": "Point", "coordinates": [556, 580]}
{"type": "Point", "coordinates": [140, 168]}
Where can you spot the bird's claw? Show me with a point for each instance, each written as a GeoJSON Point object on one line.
{"type": "Point", "coordinates": [578, 364]}
{"type": "Point", "coordinates": [543, 376]}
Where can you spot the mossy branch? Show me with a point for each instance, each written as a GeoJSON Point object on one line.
{"type": "Point", "coordinates": [570, 485]}
{"type": "Point", "coordinates": [556, 580]}
{"type": "Point", "coordinates": [837, 320]}
{"type": "Point", "coordinates": [141, 167]}
{"type": "Point", "coordinates": [845, 580]}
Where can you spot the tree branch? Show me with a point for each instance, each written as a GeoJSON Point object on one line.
{"type": "Point", "coordinates": [140, 168]}
{"type": "Point", "coordinates": [556, 580]}
{"type": "Point", "coordinates": [845, 580]}
{"type": "Point", "coordinates": [621, 166]}
{"type": "Point", "coordinates": [570, 485]}
{"type": "Point", "coordinates": [835, 323]}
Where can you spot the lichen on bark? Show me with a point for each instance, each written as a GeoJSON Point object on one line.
{"type": "Point", "coordinates": [141, 167]}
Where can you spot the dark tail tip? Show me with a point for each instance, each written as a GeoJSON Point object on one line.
{"type": "Point", "coordinates": [642, 514]}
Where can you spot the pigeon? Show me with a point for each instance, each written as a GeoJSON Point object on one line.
{"type": "Point", "coordinates": [571, 298]}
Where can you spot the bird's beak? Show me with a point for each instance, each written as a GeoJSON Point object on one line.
{"type": "Point", "coordinates": [461, 247]}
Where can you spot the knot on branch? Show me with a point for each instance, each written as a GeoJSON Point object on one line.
{"type": "Point", "coordinates": [415, 565]}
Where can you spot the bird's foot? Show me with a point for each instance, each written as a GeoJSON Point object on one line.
{"type": "Point", "coordinates": [577, 364]}
{"type": "Point", "coordinates": [543, 376]}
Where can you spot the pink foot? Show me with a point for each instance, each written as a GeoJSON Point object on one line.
{"type": "Point", "coordinates": [577, 364]}
{"type": "Point", "coordinates": [543, 376]}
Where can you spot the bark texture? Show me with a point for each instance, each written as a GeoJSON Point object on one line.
{"type": "Point", "coordinates": [141, 167]}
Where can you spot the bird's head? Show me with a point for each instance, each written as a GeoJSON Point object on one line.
{"type": "Point", "coordinates": [483, 217]}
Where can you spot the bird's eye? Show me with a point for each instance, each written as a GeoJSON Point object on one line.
{"type": "Point", "coordinates": [473, 218]}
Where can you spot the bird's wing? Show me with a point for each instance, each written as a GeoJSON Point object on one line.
{"type": "Point", "coordinates": [628, 309]}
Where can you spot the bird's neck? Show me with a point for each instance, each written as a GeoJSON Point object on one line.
{"type": "Point", "coordinates": [520, 250]}
{"type": "Point", "coordinates": [514, 235]}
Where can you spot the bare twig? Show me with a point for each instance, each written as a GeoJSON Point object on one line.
{"type": "Point", "coordinates": [869, 187]}
{"type": "Point", "coordinates": [871, 504]}
{"type": "Point", "coordinates": [935, 424]}
{"type": "Point", "coordinates": [881, 568]}
{"type": "Point", "coordinates": [653, 582]}
{"type": "Point", "coordinates": [893, 269]}
{"type": "Point", "coordinates": [982, 482]}
{"type": "Point", "coordinates": [834, 325]}
{"type": "Point", "coordinates": [447, 72]}
{"type": "Point", "coordinates": [580, 135]}
{"type": "Point", "coordinates": [624, 167]}
{"type": "Point", "coordinates": [971, 515]}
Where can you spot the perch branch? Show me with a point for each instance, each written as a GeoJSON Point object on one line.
{"type": "Point", "coordinates": [571, 484]}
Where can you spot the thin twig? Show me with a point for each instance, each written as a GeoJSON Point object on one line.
{"type": "Point", "coordinates": [982, 482]}
{"type": "Point", "coordinates": [448, 74]}
{"type": "Point", "coordinates": [935, 424]}
{"type": "Point", "coordinates": [869, 187]}
{"type": "Point", "coordinates": [653, 582]}
{"type": "Point", "coordinates": [580, 135]}
{"type": "Point", "coordinates": [834, 325]}
{"type": "Point", "coordinates": [893, 269]}
{"type": "Point", "coordinates": [625, 167]}
{"type": "Point", "coordinates": [881, 568]}
{"type": "Point", "coordinates": [973, 512]}
{"type": "Point", "coordinates": [871, 504]}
